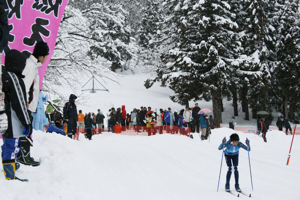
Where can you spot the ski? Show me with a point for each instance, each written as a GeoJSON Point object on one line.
{"type": "Point", "coordinates": [23, 180]}
{"type": "Point", "coordinates": [230, 192]}
{"type": "Point", "coordinates": [247, 195]}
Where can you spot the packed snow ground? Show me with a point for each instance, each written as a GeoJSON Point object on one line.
{"type": "Point", "coordinates": [166, 167]}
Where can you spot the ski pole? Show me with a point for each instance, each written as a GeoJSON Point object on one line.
{"type": "Point", "coordinates": [250, 170]}
{"type": "Point", "coordinates": [220, 169]}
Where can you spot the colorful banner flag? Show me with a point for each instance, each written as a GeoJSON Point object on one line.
{"type": "Point", "coordinates": [31, 21]}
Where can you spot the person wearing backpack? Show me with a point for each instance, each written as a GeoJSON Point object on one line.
{"type": "Point", "coordinates": [19, 122]}
{"type": "Point", "coordinates": [71, 115]}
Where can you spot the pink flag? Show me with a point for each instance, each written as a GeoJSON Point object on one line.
{"type": "Point", "coordinates": [34, 20]}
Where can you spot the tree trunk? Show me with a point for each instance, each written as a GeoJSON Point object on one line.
{"type": "Point", "coordinates": [254, 113]}
{"type": "Point", "coordinates": [235, 104]}
{"type": "Point", "coordinates": [187, 103]}
{"type": "Point", "coordinates": [292, 110]}
{"type": "Point", "coordinates": [246, 103]}
{"type": "Point", "coordinates": [285, 103]}
{"type": "Point", "coordinates": [220, 104]}
{"type": "Point", "coordinates": [216, 108]}
{"type": "Point", "coordinates": [246, 109]}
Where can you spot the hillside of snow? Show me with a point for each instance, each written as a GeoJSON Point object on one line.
{"type": "Point", "coordinates": [166, 167]}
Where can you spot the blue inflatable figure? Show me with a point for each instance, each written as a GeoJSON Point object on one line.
{"type": "Point", "coordinates": [39, 118]}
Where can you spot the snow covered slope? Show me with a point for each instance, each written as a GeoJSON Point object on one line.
{"type": "Point", "coordinates": [160, 167]}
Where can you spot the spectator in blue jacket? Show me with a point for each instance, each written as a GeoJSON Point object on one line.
{"type": "Point", "coordinates": [232, 157]}
{"type": "Point", "coordinates": [180, 121]}
{"type": "Point", "coordinates": [169, 118]}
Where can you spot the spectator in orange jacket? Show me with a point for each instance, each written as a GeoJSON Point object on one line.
{"type": "Point", "coordinates": [81, 121]}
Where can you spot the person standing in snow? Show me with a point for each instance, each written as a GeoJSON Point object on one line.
{"type": "Point", "coordinates": [100, 121]}
{"type": "Point", "coordinates": [143, 112]}
{"type": "Point", "coordinates": [187, 115]}
{"type": "Point", "coordinates": [203, 126]}
{"type": "Point", "coordinates": [262, 127]}
{"type": "Point", "coordinates": [180, 120]}
{"type": "Point", "coordinates": [232, 123]}
{"type": "Point", "coordinates": [139, 120]}
{"type": "Point", "coordinates": [108, 120]}
{"type": "Point", "coordinates": [88, 122]}
{"type": "Point", "coordinates": [169, 117]}
{"type": "Point", "coordinates": [80, 121]}
{"type": "Point", "coordinates": [208, 131]}
{"type": "Point", "coordinates": [112, 119]}
{"type": "Point", "coordinates": [32, 84]}
{"type": "Point", "coordinates": [70, 114]}
{"type": "Point", "coordinates": [149, 122]}
{"type": "Point", "coordinates": [231, 153]}
{"type": "Point", "coordinates": [175, 122]}
{"type": "Point", "coordinates": [159, 123]}
{"type": "Point", "coordinates": [123, 118]}
{"type": "Point", "coordinates": [19, 122]}
{"type": "Point", "coordinates": [196, 118]}
{"type": "Point", "coordinates": [280, 123]}
{"type": "Point", "coordinates": [133, 118]}
{"type": "Point", "coordinates": [211, 122]}
{"type": "Point", "coordinates": [287, 126]}
{"type": "Point", "coordinates": [118, 116]}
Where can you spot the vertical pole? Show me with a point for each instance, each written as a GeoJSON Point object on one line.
{"type": "Point", "coordinates": [220, 169]}
{"type": "Point", "coordinates": [288, 160]}
{"type": "Point", "coordinates": [93, 85]}
{"type": "Point", "coordinates": [250, 170]}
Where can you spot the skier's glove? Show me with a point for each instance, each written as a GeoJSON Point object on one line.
{"type": "Point", "coordinates": [26, 130]}
{"type": "Point", "coordinates": [247, 142]}
{"type": "Point", "coordinates": [224, 140]}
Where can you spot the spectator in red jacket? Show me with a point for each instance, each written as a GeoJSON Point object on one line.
{"type": "Point", "coordinates": [124, 116]}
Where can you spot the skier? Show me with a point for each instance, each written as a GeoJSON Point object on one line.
{"type": "Point", "coordinates": [232, 158]}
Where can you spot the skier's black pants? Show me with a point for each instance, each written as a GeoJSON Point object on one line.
{"type": "Point", "coordinates": [232, 160]}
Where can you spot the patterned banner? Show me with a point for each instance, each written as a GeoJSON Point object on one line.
{"type": "Point", "coordinates": [31, 21]}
